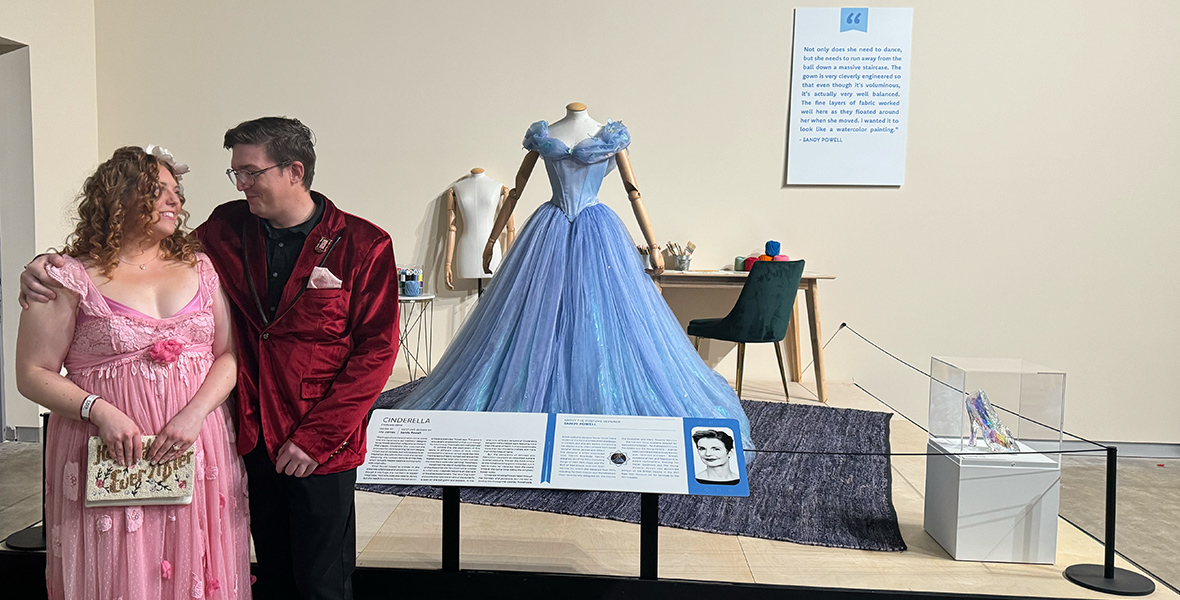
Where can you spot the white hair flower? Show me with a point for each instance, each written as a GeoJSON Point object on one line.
{"type": "Point", "coordinates": [166, 156]}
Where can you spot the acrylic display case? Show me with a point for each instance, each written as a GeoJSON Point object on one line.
{"type": "Point", "coordinates": [989, 505]}
{"type": "Point", "coordinates": [1034, 392]}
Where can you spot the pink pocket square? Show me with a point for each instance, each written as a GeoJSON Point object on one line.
{"type": "Point", "coordinates": [323, 279]}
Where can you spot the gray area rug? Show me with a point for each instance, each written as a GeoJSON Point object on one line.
{"type": "Point", "coordinates": [830, 500]}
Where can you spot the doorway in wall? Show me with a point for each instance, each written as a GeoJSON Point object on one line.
{"type": "Point", "coordinates": [17, 233]}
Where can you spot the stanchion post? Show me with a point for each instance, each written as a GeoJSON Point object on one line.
{"type": "Point", "coordinates": [649, 536]}
{"type": "Point", "coordinates": [1106, 577]}
{"type": "Point", "coordinates": [450, 529]}
{"type": "Point", "coordinates": [1112, 477]}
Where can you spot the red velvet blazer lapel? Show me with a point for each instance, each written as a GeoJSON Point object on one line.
{"type": "Point", "coordinates": [255, 271]}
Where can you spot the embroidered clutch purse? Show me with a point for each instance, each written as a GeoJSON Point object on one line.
{"type": "Point", "coordinates": [108, 484]}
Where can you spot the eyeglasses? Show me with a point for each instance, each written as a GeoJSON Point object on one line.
{"type": "Point", "coordinates": [246, 178]}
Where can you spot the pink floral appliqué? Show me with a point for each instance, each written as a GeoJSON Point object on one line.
{"type": "Point", "coordinates": [133, 517]}
{"type": "Point", "coordinates": [69, 481]}
{"type": "Point", "coordinates": [198, 588]}
{"type": "Point", "coordinates": [166, 351]}
{"type": "Point", "coordinates": [55, 535]}
{"type": "Point", "coordinates": [104, 523]}
{"type": "Point", "coordinates": [211, 472]}
{"type": "Point", "coordinates": [213, 586]}
{"type": "Point", "coordinates": [166, 570]}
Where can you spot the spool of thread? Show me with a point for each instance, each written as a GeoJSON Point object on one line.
{"type": "Point", "coordinates": [749, 262]}
{"type": "Point", "coordinates": [413, 287]}
{"type": "Point", "coordinates": [782, 258]}
{"type": "Point", "coordinates": [766, 257]}
{"type": "Point", "coordinates": [773, 247]}
{"type": "Point", "coordinates": [739, 263]}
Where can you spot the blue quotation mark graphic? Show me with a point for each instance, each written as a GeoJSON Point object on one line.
{"type": "Point", "coordinates": [854, 19]}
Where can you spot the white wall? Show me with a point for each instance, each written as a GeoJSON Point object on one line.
{"type": "Point", "coordinates": [1035, 220]}
{"type": "Point", "coordinates": [61, 96]}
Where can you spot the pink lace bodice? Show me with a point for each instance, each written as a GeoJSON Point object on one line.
{"type": "Point", "coordinates": [109, 335]}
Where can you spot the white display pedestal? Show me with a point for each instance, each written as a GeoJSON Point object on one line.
{"type": "Point", "coordinates": [992, 507]}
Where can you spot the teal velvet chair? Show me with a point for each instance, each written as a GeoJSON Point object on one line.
{"type": "Point", "coordinates": [761, 315]}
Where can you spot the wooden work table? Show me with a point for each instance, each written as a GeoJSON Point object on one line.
{"type": "Point", "coordinates": [736, 279]}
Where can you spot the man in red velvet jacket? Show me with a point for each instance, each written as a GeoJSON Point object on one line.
{"type": "Point", "coordinates": [314, 295]}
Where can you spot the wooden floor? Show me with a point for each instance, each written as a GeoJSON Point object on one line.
{"type": "Point", "coordinates": [406, 533]}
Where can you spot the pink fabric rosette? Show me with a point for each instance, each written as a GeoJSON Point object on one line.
{"type": "Point", "coordinates": [166, 351]}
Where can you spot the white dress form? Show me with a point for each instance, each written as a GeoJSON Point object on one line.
{"type": "Point", "coordinates": [477, 199]}
{"type": "Point", "coordinates": [575, 126]}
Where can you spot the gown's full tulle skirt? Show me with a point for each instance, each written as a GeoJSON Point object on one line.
{"type": "Point", "coordinates": [571, 323]}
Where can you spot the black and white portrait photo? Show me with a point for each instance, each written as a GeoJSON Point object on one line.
{"type": "Point", "coordinates": [715, 462]}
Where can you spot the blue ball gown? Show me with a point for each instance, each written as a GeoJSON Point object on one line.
{"type": "Point", "coordinates": [571, 323]}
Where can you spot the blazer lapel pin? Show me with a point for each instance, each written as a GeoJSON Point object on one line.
{"type": "Point", "coordinates": [322, 245]}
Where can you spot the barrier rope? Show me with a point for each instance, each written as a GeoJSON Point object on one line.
{"type": "Point", "coordinates": [1097, 446]}
{"type": "Point", "coordinates": [987, 454]}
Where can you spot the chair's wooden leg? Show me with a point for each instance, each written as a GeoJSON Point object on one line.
{"type": "Point", "coordinates": [782, 371]}
{"type": "Point", "coordinates": [696, 343]}
{"type": "Point", "coordinates": [741, 365]}
{"type": "Point", "coordinates": [817, 348]}
{"type": "Point", "coordinates": [794, 363]}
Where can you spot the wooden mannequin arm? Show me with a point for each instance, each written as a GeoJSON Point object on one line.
{"type": "Point", "coordinates": [450, 251]}
{"type": "Point", "coordinates": [657, 260]}
{"type": "Point", "coordinates": [502, 219]}
{"type": "Point", "coordinates": [511, 221]}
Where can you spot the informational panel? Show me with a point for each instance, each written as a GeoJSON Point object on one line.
{"type": "Point", "coordinates": [664, 455]}
{"type": "Point", "coordinates": [850, 77]}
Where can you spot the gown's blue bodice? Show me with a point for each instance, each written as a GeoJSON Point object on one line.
{"type": "Point", "coordinates": [576, 173]}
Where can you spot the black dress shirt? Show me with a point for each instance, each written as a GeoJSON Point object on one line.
{"type": "Point", "coordinates": [282, 250]}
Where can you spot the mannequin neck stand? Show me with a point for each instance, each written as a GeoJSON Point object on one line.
{"type": "Point", "coordinates": [575, 126]}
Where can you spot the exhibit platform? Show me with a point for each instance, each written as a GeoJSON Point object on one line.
{"type": "Point", "coordinates": [405, 533]}
{"type": "Point", "coordinates": [523, 554]}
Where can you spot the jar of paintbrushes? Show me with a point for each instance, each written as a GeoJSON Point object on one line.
{"type": "Point", "coordinates": [679, 256]}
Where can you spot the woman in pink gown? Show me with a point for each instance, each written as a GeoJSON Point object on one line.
{"type": "Point", "coordinates": [144, 326]}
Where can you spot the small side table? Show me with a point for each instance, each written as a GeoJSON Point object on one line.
{"type": "Point", "coordinates": [417, 332]}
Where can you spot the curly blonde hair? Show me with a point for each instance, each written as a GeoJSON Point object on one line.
{"type": "Point", "coordinates": [121, 194]}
